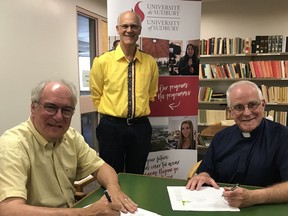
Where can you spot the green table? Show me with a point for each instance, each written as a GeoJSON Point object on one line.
{"type": "Point", "coordinates": [151, 193]}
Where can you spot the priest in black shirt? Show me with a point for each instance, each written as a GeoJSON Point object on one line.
{"type": "Point", "coordinates": [254, 151]}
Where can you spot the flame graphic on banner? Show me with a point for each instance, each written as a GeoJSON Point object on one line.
{"type": "Point", "coordinates": [139, 11]}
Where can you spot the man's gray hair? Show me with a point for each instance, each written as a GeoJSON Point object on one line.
{"type": "Point", "coordinates": [37, 90]}
{"type": "Point", "coordinates": [138, 17]}
{"type": "Point", "coordinates": [242, 82]}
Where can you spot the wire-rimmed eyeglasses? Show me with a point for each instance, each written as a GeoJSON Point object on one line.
{"type": "Point", "coordinates": [52, 109]}
{"type": "Point", "coordinates": [239, 108]}
{"type": "Point", "coordinates": [132, 26]}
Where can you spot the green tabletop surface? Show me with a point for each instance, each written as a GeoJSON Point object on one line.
{"type": "Point", "coordinates": [150, 193]}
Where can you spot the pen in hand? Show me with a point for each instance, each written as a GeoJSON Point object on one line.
{"type": "Point", "coordinates": [107, 196]}
{"type": "Point", "coordinates": [234, 187]}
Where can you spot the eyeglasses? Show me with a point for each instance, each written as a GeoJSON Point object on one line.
{"type": "Point", "coordinates": [239, 108]}
{"type": "Point", "coordinates": [132, 26]}
{"type": "Point", "coordinates": [52, 109]}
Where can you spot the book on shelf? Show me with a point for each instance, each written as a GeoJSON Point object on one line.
{"type": "Point", "coordinates": [276, 69]}
{"type": "Point", "coordinates": [207, 71]}
{"type": "Point", "coordinates": [210, 117]}
{"type": "Point", "coordinates": [251, 65]}
{"type": "Point", "coordinates": [223, 70]}
{"type": "Point", "coordinates": [277, 116]}
{"type": "Point", "coordinates": [248, 46]}
{"type": "Point", "coordinates": [283, 74]}
{"type": "Point", "coordinates": [257, 42]}
{"type": "Point", "coordinates": [252, 69]}
{"type": "Point", "coordinates": [261, 44]}
{"type": "Point", "coordinates": [286, 68]}
{"type": "Point", "coordinates": [264, 90]}
{"type": "Point", "coordinates": [224, 46]}
{"type": "Point", "coordinates": [286, 44]}
{"type": "Point", "coordinates": [211, 45]}
{"type": "Point", "coordinates": [279, 42]}
{"type": "Point", "coordinates": [205, 93]}
{"type": "Point", "coordinates": [258, 69]}
{"type": "Point", "coordinates": [269, 69]}
{"type": "Point", "coordinates": [253, 46]}
{"type": "Point", "coordinates": [275, 94]}
{"type": "Point", "coordinates": [218, 96]}
{"type": "Point", "coordinates": [271, 48]}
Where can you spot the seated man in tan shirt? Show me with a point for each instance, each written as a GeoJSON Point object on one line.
{"type": "Point", "coordinates": [42, 157]}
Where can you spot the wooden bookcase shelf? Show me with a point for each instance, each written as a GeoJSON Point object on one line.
{"type": "Point", "coordinates": [221, 84]}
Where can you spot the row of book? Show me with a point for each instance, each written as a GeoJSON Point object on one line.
{"type": "Point", "coordinates": [272, 94]}
{"type": "Point", "coordinates": [211, 117]}
{"type": "Point", "coordinates": [252, 69]}
{"type": "Point", "coordinates": [269, 44]}
{"type": "Point", "coordinates": [275, 94]}
{"type": "Point", "coordinates": [269, 69]}
{"type": "Point", "coordinates": [223, 70]}
{"type": "Point", "coordinates": [237, 45]}
{"type": "Point", "coordinates": [206, 93]}
{"type": "Point", "coordinates": [278, 116]}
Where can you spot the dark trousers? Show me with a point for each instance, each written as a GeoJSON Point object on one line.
{"type": "Point", "coordinates": [124, 146]}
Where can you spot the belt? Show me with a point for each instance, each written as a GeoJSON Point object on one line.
{"type": "Point", "coordinates": [128, 121]}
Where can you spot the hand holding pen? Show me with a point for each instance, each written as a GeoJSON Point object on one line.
{"type": "Point", "coordinates": [108, 196]}
{"type": "Point", "coordinates": [127, 204]}
{"type": "Point", "coordinates": [241, 197]}
{"type": "Point", "coordinates": [234, 187]}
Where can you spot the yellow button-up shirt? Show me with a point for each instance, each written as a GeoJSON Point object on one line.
{"type": "Point", "coordinates": [41, 172]}
{"type": "Point", "coordinates": [109, 78]}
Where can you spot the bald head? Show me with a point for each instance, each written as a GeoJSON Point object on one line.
{"type": "Point", "coordinates": [245, 85]}
{"type": "Point", "coordinates": [131, 15]}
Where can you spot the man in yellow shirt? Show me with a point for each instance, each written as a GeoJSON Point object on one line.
{"type": "Point", "coordinates": [122, 83]}
{"type": "Point", "coordinates": [42, 157]}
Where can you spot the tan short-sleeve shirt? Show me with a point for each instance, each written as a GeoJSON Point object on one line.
{"type": "Point", "coordinates": [43, 173]}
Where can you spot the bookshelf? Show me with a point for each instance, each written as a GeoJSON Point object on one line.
{"type": "Point", "coordinates": [220, 85]}
{"type": "Point", "coordinates": [243, 22]}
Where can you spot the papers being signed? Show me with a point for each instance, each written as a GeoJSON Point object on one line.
{"type": "Point", "coordinates": [206, 199]}
{"type": "Point", "coordinates": [140, 212]}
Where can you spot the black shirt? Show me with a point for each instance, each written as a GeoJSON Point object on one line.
{"type": "Point", "coordinates": [260, 160]}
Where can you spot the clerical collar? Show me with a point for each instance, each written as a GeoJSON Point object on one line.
{"type": "Point", "coordinates": [256, 132]}
{"type": "Point", "coordinates": [246, 134]}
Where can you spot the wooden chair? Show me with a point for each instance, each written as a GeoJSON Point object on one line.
{"type": "Point", "coordinates": [79, 186]}
{"type": "Point", "coordinates": [193, 169]}
{"type": "Point", "coordinates": [210, 131]}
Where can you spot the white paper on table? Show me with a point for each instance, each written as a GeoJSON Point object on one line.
{"type": "Point", "coordinates": [205, 199]}
{"type": "Point", "coordinates": [139, 212]}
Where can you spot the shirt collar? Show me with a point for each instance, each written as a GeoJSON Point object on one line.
{"type": "Point", "coordinates": [120, 54]}
{"type": "Point", "coordinates": [256, 132]}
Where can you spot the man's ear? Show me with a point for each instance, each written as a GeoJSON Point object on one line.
{"type": "Point", "coordinates": [263, 103]}
{"type": "Point", "coordinates": [230, 113]}
{"type": "Point", "coordinates": [33, 106]}
{"type": "Point", "coordinates": [117, 30]}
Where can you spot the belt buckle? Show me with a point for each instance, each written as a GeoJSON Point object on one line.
{"type": "Point", "coordinates": [128, 121]}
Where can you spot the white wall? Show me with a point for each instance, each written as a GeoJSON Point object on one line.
{"type": "Point", "coordinates": [38, 40]}
{"type": "Point", "coordinates": [243, 18]}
